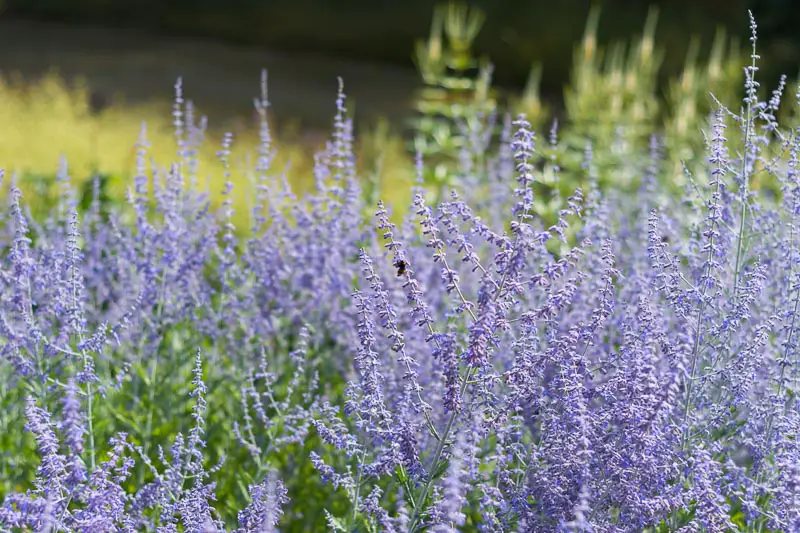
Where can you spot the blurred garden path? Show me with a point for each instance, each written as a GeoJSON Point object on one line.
{"type": "Point", "coordinates": [221, 79]}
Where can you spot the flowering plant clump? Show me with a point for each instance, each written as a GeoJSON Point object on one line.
{"type": "Point", "coordinates": [632, 366]}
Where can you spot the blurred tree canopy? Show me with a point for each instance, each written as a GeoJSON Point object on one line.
{"type": "Point", "coordinates": [516, 32]}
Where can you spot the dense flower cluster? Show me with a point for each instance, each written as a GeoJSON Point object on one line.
{"type": "Point", "coordinates": [632, 364]}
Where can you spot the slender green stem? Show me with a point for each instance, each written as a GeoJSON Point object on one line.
{"type": "Point", "coordinates": [152, 374]}
{"type": "Point", "coordinates": [693, 372]}
{"type": "Point", "coordinates": [745, 184]}
{"type": "Point", "coordinates": [354, 516]}
{"type": "Point", "coordinates": [90, 424]}
{"type": "Point", "coordinates": [438, 455]}
{"type": "Point", "coordinates": [89, 408]}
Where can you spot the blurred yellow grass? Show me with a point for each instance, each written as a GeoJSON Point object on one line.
{"type": "Point", "coordinates": [47, 119]}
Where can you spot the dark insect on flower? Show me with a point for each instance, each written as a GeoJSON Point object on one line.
{"type": "Point", "coordinates": [401, 267]}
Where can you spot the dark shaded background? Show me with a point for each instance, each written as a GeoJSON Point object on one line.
{"type": "Point", "coordinates": [516, 32]}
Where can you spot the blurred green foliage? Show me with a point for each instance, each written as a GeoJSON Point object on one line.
{"type": "Point", "coordinates": [456, 92]}
{"type": "Point", "coordinates": [614, 102]}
